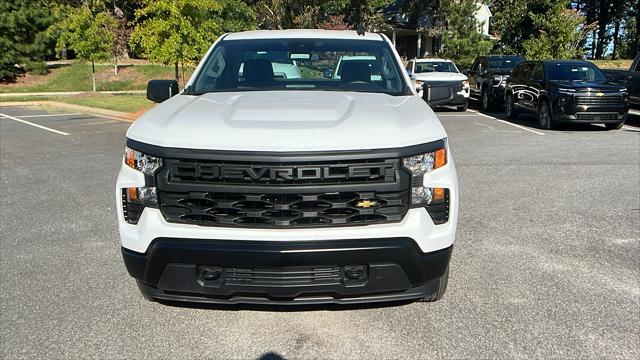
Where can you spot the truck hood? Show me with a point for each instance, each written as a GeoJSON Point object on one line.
{"type": "Point", "coordinates": [588, 85]}
{"type": "Point", "coordinates": [440, 76]}
{"type": "Point", "coordinates": [286, 121]}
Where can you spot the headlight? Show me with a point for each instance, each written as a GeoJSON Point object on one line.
{"type": "Point", "coordinates": [147, 164]}
{"type": "Point", "coordinates": [423, 163]}
{"type": "Point", "coordinates": [135, 199]}
{"type": "Point", "coordinates": [465, 83]}
{"type": "Point", "coordinates": [419, 165]}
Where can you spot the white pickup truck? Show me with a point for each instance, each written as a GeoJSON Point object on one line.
{"type": "Point", "coordinates": [256, 188]}
{"type": "Point", "coordinates": [440, 72]}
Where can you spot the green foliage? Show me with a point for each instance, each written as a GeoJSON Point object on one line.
{"type": "Point", "coordinates": [461, 39]}
{"type": "Point", "coordinates": [179, 31]}
{"type": "Point", "coordinates": [23, 36]}
{"type": "Point", "coordinates": [559, 34]}
{"type": "Point", "coordinates": [91, 36]}
{"type": "Point", "coordinates": [539, 29]}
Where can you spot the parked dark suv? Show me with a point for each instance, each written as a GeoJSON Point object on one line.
{"type": "Point", "coordinates": [565, 91]}
{"type": "Point", "coordinates": [488, 76]}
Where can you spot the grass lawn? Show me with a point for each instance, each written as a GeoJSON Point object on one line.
{"type": "Point", "coordinates": [77, 77]}
{"type": "Point", "coordinates": [613, 64]}
{"type": "Point", "coordinates": [125, 103]}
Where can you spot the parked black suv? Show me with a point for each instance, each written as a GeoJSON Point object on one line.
{"type": "Point", "coordinates": [488, 76]}
{"type": "Point", "coordinates": [630, 79]}
{"type": "Point", "coordinates": [565, 91]}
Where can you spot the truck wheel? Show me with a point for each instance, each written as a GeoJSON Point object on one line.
{"type": "Point", "coordinates": [441, 287]}
{"type": "Point", "coordinates": [614, 126]}
{"type": "Point", "coordinates": [544, 115]}
{"type": "Point", "coordinates": [511, 111]}
{"type": "Point", "coordinates": [485, 101]}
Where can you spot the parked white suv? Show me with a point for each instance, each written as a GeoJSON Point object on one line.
{"type": "Point", "coordinates": [442, 72]}
{"type": "Point", "coordinates": [265, 189]}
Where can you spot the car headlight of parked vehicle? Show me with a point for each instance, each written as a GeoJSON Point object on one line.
{"type": "Point", "coordinates": [135, 199]}
{"type": "Point", "coordinates": [419, 165]}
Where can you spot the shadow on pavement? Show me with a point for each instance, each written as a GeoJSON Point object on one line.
{"type": "Point", "coordinates": [284, 308]}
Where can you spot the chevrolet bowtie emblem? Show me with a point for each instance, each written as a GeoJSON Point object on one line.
{"type": "Point", "coordinates": [599, 94]}
{"type": "Point", "coordinates": [366, 203]}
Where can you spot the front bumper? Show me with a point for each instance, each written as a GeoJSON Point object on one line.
{"type": "Point", "coordinates": [299, 272]}
{"type": "Point", "coordinates": [591, 113]}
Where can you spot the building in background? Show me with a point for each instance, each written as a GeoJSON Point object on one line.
{"type": "Point", "coordinates": [410, 34]}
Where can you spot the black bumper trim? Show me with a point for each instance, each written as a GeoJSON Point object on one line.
{"type": "Point", "coordinates": [396, 267]}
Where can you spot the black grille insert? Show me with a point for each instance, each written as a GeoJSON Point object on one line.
{"type": "Point", "coordinates": [282, 210]}
{"type": "Point", "coordinates": [597, 116]}
{"type": "Point", "coordinates": [599, 100]}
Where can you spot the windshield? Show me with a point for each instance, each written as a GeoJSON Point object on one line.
{"type": "Point", "coordinates": [504, 62]}
{"type": "Point", "coordinates": [435, 66]}
{"type": "Point", "coordinates": [300, 64]}
{"type": "Point", "coordinates": [574, 72]}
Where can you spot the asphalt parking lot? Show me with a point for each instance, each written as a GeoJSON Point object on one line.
{"type": "Point", "coordinates": [546, 262]}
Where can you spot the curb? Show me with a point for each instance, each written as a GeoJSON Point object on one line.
{"type": "Point", "coordinates": [117, 115]}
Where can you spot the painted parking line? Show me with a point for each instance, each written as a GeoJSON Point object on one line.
{"type": "Point", "coordinates": [508, 123]}
{"type": "Point", "coordinates": [34, 125]}
{"type": "Point", "coordinates": [49, 115]}
{"type": "Point", "coordinates": [627, 127]}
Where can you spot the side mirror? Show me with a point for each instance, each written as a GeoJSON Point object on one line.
{"type": "Point", "coordinates": [161, 90]}
{"type": "Point", "coordinates": [327, 73]}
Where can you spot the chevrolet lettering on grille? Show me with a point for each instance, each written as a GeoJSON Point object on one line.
{"type": "Point", "coordinates": [249, 173]}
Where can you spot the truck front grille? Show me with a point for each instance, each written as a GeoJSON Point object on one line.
{"type": "Point", "coordinates": [599, 100]}
{"type": "Point", "coordinates": [288, 194]}
{"type": "Point", "coordinates": [597, 116]}
{"type": "Point", "coordinates": [283, 210]}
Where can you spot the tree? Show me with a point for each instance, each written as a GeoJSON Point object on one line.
{"type": "Point", "coordinates": [461, 37]}
{"type": "Point", "coordinates": [23, 36]}
{"type": "Point", "coordinates": [540, 28]}
{"type": "Point", "coordinates": [122, 33]}
{"type": "Point", "coordinates": [560, 33]}
{"type": "Point", "coordinates": [91, 36]}
{"type": "Point", "coordinates": [180, 31]}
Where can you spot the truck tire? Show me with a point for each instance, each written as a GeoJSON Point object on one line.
{"type": "Point", "coordinates": [464, 107]}
{"type": "Point", "coordinates": [441, 287]}
{"type": "Point", "coordinates": [545, 120]}
{"type": "Point", "coordinates": [509, 109]}
{"type": "Point", "coordinates": [485, 100]}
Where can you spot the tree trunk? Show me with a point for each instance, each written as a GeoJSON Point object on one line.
{"type": "Point", "coordinates": [638, 25]}
{"type": "Point", "coordinates": [616, 30]}
{"type": "Point", "coordinates": [177, 72]}
{"type": "Point", "coordinates": [594, 38]}
{"type": "Point", "coordinates": [93, 75]}
{"type": "Point", "coordinates": [116, 65]}
{"type": "Point", "coordinates": [183, 82]}
{"type": "Point", "coordinates": [603, 21]}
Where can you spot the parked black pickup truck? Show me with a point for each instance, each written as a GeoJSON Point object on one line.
{"type": "Point", "coordinates": [629, 78]}
{"type": "Point", "coordinates": [488, 76]}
